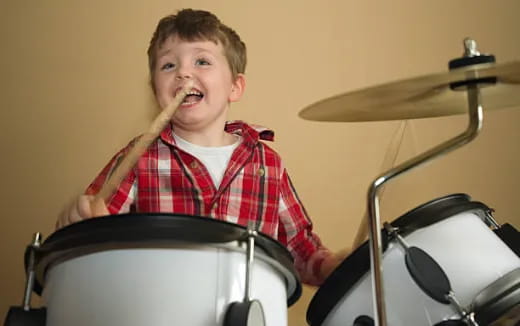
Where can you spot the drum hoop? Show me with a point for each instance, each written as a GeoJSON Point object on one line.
{"type": "Point", "coordinates": [497, 298]}
{"type": "Point", "coordinates": [437, 210]}
{"type": "Point", "coordinates": [147, 230]}
{"type": "Point", "coordinates": [357, 264]}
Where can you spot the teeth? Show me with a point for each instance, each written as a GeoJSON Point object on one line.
{"type": "Point", "coordinates": [192, 92]}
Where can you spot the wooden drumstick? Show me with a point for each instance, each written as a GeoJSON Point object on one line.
{"type": "Point", "coordinates": [130, 159]}
{"type": "Point", "coordinates": [388, 163]}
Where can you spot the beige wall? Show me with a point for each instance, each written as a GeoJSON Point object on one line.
{"type": "Point", "coordinates": [74, 90]}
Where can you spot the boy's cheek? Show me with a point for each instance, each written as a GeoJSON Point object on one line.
{"type": "Point", "coordinates": [162, 96]}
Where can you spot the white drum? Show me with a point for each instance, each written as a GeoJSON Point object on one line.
{"type": "Point", "coordinates": [452, 231]}
{"type": "Point", "coordinates": [134, 270]}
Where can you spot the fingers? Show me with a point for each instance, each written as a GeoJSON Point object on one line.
{"type": "Point", "coordinates": [64, 217]}
{"type": "Point", "coordinates": [331, 262]}
{"type": "Point", "coordinates": [82, 210]}
{"type": "Point", "coordinates": [98, 207]}
{"type": "Point", "coordinates": [83, 207]}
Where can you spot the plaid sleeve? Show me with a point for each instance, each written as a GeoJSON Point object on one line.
{"type": "Point", "coordinates": [296, 228]}
{"type": "Point", "coordinates": [124, 196]}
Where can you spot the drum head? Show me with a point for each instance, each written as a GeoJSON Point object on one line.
{"type": "Point", "coordinates": [154, 230]}
{"type": "Point", "coordinates": [357, 264]}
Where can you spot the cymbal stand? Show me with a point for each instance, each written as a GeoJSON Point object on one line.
{"type": "Point", "coordinates": [472, 86]}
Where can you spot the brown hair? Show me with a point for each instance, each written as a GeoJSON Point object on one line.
{"type": "Point", "coordinates": [196, 25]}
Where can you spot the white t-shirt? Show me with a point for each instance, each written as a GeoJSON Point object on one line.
{"type": "Point", "coordinates": [215, 159]}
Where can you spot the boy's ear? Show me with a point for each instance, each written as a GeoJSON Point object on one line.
{"type": "Point", "coordinates": [237, 89]}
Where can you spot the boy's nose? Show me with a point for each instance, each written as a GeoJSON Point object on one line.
{"type": "Point", "coordinates": [183, 76]}
{"type": "Point", "coordinates": [183, 73]}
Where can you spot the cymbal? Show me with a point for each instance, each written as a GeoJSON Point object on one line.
{"type": "Point", "coordinates": [421, 97]}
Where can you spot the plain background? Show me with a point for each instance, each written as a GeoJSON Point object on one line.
{"type": "Point", "coordinates": [74, 89]}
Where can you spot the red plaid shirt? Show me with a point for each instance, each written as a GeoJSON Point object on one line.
{"type": "Point", "coordinates": [255, 186]}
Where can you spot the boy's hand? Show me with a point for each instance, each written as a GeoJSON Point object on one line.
{"type": "Point", "coordinates": [84, 207]}
{"type": "Point", "coordinates": [332, 262]}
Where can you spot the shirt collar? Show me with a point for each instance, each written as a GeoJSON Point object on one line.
{"type": "Point", "coordinates": [250, 133]}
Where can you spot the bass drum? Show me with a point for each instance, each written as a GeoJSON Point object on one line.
{"type": "Point", "coordinates": [453, 231]}
{"type": "Point", "coordinates": [161, 270]}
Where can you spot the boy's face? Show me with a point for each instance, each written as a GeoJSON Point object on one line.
{"type": "Point", "coordinates": [214, 88]}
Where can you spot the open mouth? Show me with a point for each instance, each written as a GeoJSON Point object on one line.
{"type": "Point", "coordinates": [193, 97]}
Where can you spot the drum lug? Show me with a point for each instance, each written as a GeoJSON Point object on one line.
{"type": "Point", "coordinates": [25, 315]}
{"type": "Point", "coordinates": [29, 282]}
{"type": "Point", "coordinates": [491, 220]}
{"type": "Point", "coordinates": [468, 318]}
{"type": "Point", "coordinates": [392, 231]}
{"type": "Point", "coordinates": [248, 312]}
{"type": "Point", "coordinates": [250, 253]}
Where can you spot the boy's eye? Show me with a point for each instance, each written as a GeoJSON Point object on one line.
{"type": "Point", "coordinates": [167, 66]}
{"type": "Point", "coordinates": [202, 62]}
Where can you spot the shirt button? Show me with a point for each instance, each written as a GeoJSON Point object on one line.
{"type": "Point", "coordinates": [194, 165]}
{"type": "Point", "coordinates": [260, 172]}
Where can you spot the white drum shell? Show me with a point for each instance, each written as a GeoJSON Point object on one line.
{"type": "Point", "coordinates": [184, 285]}
{"type": "Point", "coordinates": [469, 252]}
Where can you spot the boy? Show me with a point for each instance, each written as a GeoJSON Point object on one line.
{"type": "Point", "coordinates": [201, 164]}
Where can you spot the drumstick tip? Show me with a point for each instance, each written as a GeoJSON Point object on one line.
{"type": "Point", "coordinates": [188, 86]}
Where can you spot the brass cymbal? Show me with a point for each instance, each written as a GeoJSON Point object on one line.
{"type": "Point", "coordinates": [421, 97]}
